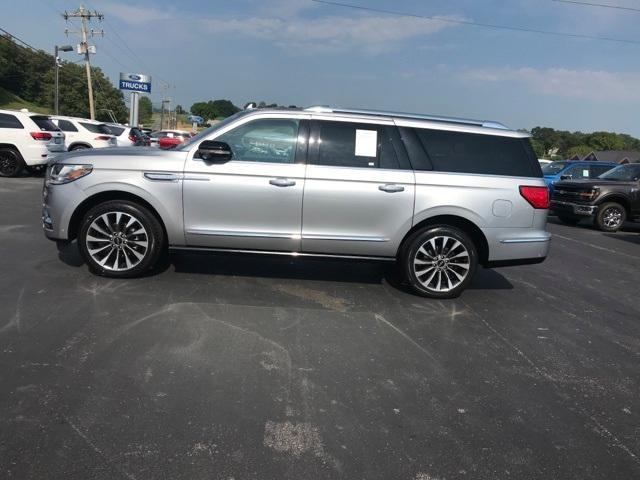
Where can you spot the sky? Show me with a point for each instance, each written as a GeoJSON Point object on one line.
{"type": "Point", "coordinates": [300, 52]}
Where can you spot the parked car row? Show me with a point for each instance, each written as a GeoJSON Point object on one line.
{"type": "Point", "coordinates": [608, 194]}
{"type": "Point", "coordinates": [29, 140]}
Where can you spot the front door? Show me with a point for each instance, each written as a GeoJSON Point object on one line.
{"type": "Point", "coordinates": [359, 192]}
{"type": "Point", "coordinates": [253, 201]}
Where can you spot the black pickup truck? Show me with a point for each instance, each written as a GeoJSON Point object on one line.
{"type": "Point", "coordinates": [610, 199]}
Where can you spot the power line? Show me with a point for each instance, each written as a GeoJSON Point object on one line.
{"type": "Point", "coordinates": [477, 24]}
{"type": "Point", "coordinates": [12, 36]}
{"type": "Point", "coordinates": [602, 5]}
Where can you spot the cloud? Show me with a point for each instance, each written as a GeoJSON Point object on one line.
{"type": "Point", "coordinates": [135, 15]}
{"type": "Point", "coordinates": [372, 33]}
{"type": "Point", "coordinates": [594, 85]}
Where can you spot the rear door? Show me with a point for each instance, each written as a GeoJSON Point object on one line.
{"type": "Point", "coordinates": [69, 129]}
{"type": "Point", "coordinates": [359, 192]}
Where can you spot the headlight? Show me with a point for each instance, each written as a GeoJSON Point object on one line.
{"type": "Point", "coordinates": [590, 194]}
{"type": "Point", "coordinates": [60, 173]}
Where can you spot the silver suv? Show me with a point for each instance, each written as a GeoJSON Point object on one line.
{"type": "Point", "coordinates": [438, 195]}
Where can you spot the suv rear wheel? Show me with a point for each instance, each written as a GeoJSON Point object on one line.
{"type": "Point", "coordinates": [11, 163]}
{"type": "Point", "coordinates": [439, 261]}
{"type": "Point", "coordinates": [120, 239]}
{"type": "Point", "coordinates": [611, 217]}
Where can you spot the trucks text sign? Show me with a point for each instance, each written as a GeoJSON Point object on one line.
{"type": "Point", "coordinates": [135, 82]}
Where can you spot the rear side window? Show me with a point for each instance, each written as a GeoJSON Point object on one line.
{"type": "Point", "coordinates": [96, 128]}
{"type": "Point", "coordinates": [9, 121]}
{"type": "Point", "coordinates": [360, 145]}
{"type": "Point", "coordinates": [461, 152]}
{"type": "Point", "coordinates": [67, 126]}
{"type": "Point", "coordinates": [45, 124]}
{"type": "Point", "coordinates": [117, 130]}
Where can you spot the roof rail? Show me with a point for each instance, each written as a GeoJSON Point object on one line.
{"type": "Point", "coordinates": [411, 116]}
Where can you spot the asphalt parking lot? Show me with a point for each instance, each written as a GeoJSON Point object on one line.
{"type": "Point", "coordinates": [230, 367]}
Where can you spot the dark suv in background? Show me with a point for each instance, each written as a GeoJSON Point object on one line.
{"type": "Point", "coordinates": [609, 200]}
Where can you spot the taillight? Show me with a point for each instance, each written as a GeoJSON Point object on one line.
{"type": "Point", "coordinates": [102, 137]}
{"type": "Point", "coordinates": [41, 136]}
{"type": "Point", "coordinates": [538, 197]}
{"type": "Point", "coordinates": [132, 138]}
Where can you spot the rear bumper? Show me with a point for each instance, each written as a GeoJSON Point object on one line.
{"type": "Point", "coordinates": [569, 208]}
{"type": "Point", "coordinates": [516, 246]}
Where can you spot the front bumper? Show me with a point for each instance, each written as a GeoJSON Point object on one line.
{"type": "Point", "coordinates": [569, 208]}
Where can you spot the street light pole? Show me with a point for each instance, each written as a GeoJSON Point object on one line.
{"type": "Point", "coordinates": [63, 48]}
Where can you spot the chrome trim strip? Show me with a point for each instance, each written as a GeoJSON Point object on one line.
{"type": "Point", "coordinates": [344, 238]}
{"type": "Point", "coordinates": [292, 236]}
{"type": "Point", "coordinates": [199, 179]}
{"type": "Point", "coordinates": [229, 233]}
{"type": "Point", "coordinates": [526, 240]}
{"type": "Point", "coordinates": [162, 177]}
{"type": "Point", "coordinates": [291, 254]}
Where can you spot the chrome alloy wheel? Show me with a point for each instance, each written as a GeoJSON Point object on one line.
{"type": "Point", "coordinates": [612, 217]}
{"type": "Point", "coordinates": [441, 263]}
{"type": "Point", "coordinates": [117, 241]}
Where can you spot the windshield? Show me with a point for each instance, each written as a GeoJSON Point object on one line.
{"type": "Point", "coordinates": [623, 173]}
{"type": "Point", "coordinates": [554, 168]}
{"type": "Point", "coordinates": [208, 131]}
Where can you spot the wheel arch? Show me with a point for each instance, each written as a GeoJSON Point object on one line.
{"type": "Point", "coordinates": [617, 198]}
{"type": "Point", "coordinates": [106, 196]}
{"type": "Point", "coordinates": [78, 144]}
{"type": "Point", "coordinates": [464, 224]}
{"type": "Point", "coordinates": [11, 146]}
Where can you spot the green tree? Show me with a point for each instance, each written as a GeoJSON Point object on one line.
{"type": "Point", "coordinates": [145, 112]}
{"type": "Point", "coordinates": [538, 148]}
{"type": "Point", "coordinates": [580, 150]}
{"type": "Point", "coordinates": [213, 109]}
{"type": "Point", "coordinates": [605, 141]}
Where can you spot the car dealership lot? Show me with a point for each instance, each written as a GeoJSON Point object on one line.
{"type": "Point", "coordinates": [254, 367]}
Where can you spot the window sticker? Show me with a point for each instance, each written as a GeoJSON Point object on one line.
{"type": "Point", "coordinates": [366, 143]}
{"type": "Point", "coordinates": [585, 173]}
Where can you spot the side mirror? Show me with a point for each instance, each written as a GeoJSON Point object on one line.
{"type": "Point", "coordinates": [212, 151]}
{"type": "Point", "coordinates": [566, 177]}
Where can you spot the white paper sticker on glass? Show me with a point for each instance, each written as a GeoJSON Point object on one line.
{"type": "Point", "coordinates": [366, 143]}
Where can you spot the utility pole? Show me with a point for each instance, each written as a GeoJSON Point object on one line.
{"type": "Point", "coordinates": [84, 48]}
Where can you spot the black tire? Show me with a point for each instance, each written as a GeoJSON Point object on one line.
{"type": "Point", "coordinates": [423, 247]}
{"type": "Point", "coordinates": [79, 147]}
{"type": "Point", "coordinates": [112, 244]}
{"type": "Point", "coordinates": [610, 217]}
{"type": "Point", "coordinates": [568, 220]}
{"type": "Point", "coordinates": [11, 162]}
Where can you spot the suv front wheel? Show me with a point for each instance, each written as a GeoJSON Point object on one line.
{"type": "Point", "coordinates": [120, 239]}
{"type": "Point", "coordinates": [439, 261]}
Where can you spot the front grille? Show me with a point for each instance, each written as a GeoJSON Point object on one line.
{"type": "Point", "coordinates": [568, 194]}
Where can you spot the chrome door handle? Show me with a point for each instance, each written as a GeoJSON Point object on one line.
{"type": "Point", "coordinates": [282, 182]}
{"type": "Point", "coordinates": [391, 188]}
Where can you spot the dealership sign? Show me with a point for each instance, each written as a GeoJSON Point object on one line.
{"type": "Point", "coordinates": [135, 82]}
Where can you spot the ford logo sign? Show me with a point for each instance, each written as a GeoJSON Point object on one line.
{"type": "Point", "coordinates": [135, 77]}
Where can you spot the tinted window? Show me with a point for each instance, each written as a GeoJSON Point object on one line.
{"type": "Point", "coordinates": [116, 130]}
{"type": "Point", "coordinates": [577, 172]}
{"type": "Point", "coordinates": [623, 173]}
{"type": "Point", "coordinates": [479, 153]}
{"type": "Point", "coordinates": [361, 145]}
{"type": "Point", "coordinates": [553, 168]}
{"type": "Point", "coordinates": [96, 127]}
{"type": "Point", "coordinates": [67, 126]}
{"type": "Point", "coordinates": [9, 121]}
{"type": "Point", "coordinates": [268, 140]}
{"type": "Point", "coordinates": [597, 170]}
{"type": "Point", "coordinates": [45, 124]}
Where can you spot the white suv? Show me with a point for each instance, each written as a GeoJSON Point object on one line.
{"type": "Point", "coordinates": [82, 133]}
{"type": "Point", "coordinates": [27, 139]}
